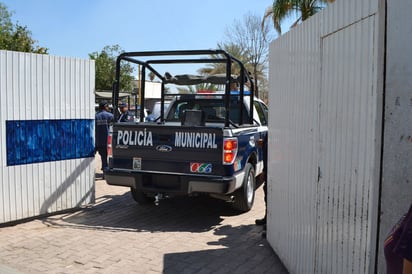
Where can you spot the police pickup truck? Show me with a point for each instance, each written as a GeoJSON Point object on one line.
{"type": "Point", "coordinates": [203, 143]}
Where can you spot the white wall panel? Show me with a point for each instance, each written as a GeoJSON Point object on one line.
{"type": "Point", "coordinates": [46, 92]}
{"type": "Point", "coordinates": [293, 148]}
{"type": "Point", "coordinates": [348, 121]}
{"type": "Point", "coordinates": [397, 152]}
{"type": "Point", "coordinates": [325, 123]}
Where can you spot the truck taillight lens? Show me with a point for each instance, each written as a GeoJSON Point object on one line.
{"type": "Point", "coordinates": [229, 150]}
{"type": "Point", "coordinates": [109, 145]}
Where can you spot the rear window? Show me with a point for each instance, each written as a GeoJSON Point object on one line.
{"type": "Point", "coordinates": [157, 108]}
{"type": "Point", "coordinates": [214, 110]}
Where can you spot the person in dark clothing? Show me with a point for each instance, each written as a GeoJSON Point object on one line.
{"type": "Point", "coordinates": [264, 179]}
{"type": "Point", "coordinates": [398, 246]}
{"type": "Point", "coordinates": [103, 120]}
{"type": "Point", "coordinates": [125, 114]}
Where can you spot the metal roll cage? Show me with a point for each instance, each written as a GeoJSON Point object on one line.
{"type": "Point", "coordinates": [147, 65]}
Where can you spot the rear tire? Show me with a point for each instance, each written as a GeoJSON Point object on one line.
{"type": "Point", "coordinates": [245, 196]}
{"type": "Point", "coordinates": [140, 197]}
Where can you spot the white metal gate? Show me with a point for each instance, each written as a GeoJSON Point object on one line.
{"type": "Point", "coordinates": [325, 123]}
{"type": "Point", "coordinates": [46, 134]}
{"type": "Point", "coordinates": [347, 149]}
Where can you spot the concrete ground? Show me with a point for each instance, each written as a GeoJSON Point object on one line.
{"type": "Point", "coordinates": [116, 235]}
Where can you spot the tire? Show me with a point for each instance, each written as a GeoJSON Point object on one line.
{"type": "Point", "coordinates": [245, 196]}
{"type": "Point", "coordinates": [140, 197]}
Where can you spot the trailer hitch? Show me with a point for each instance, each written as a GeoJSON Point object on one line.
{"type": "Point", "coordinates": [158, 197]}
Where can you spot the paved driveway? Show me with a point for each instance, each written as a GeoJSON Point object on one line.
{"type": "Point", "coordinates": [181, 235]}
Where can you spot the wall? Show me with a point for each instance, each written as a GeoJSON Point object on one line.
{"type": "Point", "coordinates": [397, 151]}
{"type": "Point", "coordinates": [47, 134]}
{"type": "Point", "coordinates": [326, 104]}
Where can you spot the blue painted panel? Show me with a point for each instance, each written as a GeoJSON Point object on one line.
{"type": "Point", "coordinates": [36, 141]}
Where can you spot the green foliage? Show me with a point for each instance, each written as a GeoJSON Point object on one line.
{"type": "Point", "coordinates": [247, 41]}
{"type": "Point", "coordinates": [16, 37]}
{"type": "Point", "coordinates": [196, 88]}
{"type": "Point", "coordinates": [281, 9]}
{"type": "Point", "coordinates": [220, 68]}
{"type": "Point", "coordinates": [105, 62]}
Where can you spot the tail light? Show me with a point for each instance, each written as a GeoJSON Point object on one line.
{"type": "Point", "coordinates": [109, 145]}
{"type": "Point", "coordinates": [229, 150]}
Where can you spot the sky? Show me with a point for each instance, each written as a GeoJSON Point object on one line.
{"type": "Point", "coordinates": [75, 28]}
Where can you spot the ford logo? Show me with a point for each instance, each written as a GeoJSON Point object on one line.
{"type": "Point", "coordinates": [163, 148]}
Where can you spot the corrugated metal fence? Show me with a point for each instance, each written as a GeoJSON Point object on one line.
{"type": "Point", "coordinates": [47, 134]}
{"type": "Point", "coordinates": [325, 123]}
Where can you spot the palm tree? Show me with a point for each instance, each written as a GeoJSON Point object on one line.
{"type": "Point", "coordinates": [220, 68]}
{"type": "Point", "coordinates": [196, 88]}
{"type": "Point", "coordinates": [252, 67]}
{"type": "Point", "coordinates": [284, 8]}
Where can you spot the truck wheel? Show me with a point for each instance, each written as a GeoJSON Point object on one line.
{"type": "Point", "coordinates": [140, 197]}
{"type": "Point", "coordinates": [245, 196]}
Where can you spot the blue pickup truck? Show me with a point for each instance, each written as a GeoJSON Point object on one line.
{"type": "Point", "coordinates": [202, 143]}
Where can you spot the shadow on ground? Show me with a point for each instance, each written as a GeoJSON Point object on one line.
{"type": "Point", "coordinates": [241, 250]}
{"type": "Point", "coordinates": [121, 212]}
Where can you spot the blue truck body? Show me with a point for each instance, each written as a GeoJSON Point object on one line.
{"type": "Point", "coordinates": [209, 143]}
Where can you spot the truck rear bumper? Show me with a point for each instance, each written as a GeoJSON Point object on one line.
{"type": "Point", "coordinates": [150, 182]}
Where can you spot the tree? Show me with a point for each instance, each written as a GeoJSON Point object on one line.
{"type": "Point", "coordinates": [282, 9]}
{"type": "Point", "coordinates": [220, 68]}
{"type": "Point", "coordinates": [205, 87]}
{"type": "Point", "coordinates": [16, 37]}
{"type": "Point", "coordinates": [247, 41]}
{"type": "Point", "coordinates": [105, 62]}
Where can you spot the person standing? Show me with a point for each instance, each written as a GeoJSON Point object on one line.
{"type": "Point", "coordinates": [125, 115]}
{"type": "Point", "coordinates": [103, 120]}
{"type": "Point", "coordinates": [398, 246]}
{"type": "Point", "coordinates": [264, 179]}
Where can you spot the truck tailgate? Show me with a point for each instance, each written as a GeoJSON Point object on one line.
{"type": "Point", "coordinates": [167, 148]}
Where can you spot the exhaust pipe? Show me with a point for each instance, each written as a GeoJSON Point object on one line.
{"type": "Point", "coordinates": [229, 199]}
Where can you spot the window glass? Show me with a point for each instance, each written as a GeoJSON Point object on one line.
{"type": "Point", "coordinates": [262, 112]}
{"type": "Point", "coordinates": [214, 110]}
